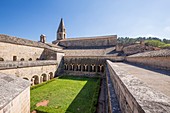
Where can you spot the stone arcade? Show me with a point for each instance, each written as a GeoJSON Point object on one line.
{"type": "Point", "coordinates": [24, 62]}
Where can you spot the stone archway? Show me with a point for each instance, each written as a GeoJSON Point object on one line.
{"type": "Point", "coordinates": [44, 77]}
{"type": "Point", "coordinates": [35, 80]}
{"type": "Point", "coordinates": [51, 75]}
{"type": "Point", "coordinates": [92, 68]}
{"type": "Point", "coordinates": [22, 59]}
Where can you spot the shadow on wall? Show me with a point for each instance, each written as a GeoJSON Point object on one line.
{"type": "Point", "coordinates": [48, 54]}
{"type": "Point", "coordinates": [85, 101]}
{"type": "Point", "coordinates": [60, 68]}
{"type": "Point", "coordinates": [166, 72]}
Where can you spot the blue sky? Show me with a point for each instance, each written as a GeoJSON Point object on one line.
{"type": "Point", "coordinates": [127, 18]}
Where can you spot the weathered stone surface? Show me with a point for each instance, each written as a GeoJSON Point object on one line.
{"type": "Point", "coordinates": [158, 53]}
{"type": "Point", "coordinates": [14, 89]}
{"type": "Point", "coordinates": [97, 51]}
{"type": "Point", "coordinates": [21, 41]}
{"type": "Point", "coordinates": [89, 41]}
{"type": "Point", "coordinates": [141, 94]}
{"type": "Point", "coordinates": [21, 64]}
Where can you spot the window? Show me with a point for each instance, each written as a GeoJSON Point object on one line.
{"type": "Point", "coordinates": [22, 59]}
{"type": "Point", "coordinates": [30, 59]}
{"type": "Point", "coordinates": [1, 59]}
{"type": "Point", "coordinates": [14, 58]}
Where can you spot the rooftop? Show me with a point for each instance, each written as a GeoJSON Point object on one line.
{"type": "Point", "coordinates": [157, 53]}
{"type": "Point", "coordinates": [11, 86]}
{"type": "Point", "coordinates": [26, 42]}
{"type": "Point", "coordinates": [90, 38]}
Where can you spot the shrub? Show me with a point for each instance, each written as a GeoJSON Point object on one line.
{"type": "Point", "coordinates": [45, 109]}
{"type": "Point", "coordinates": [155, 43]}
{"type": "Point", "coordinates": [41, 84]}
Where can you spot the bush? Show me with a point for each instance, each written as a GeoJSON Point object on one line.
{"type": "Point", "coordinates": [41, 84]}
{"type": "Point", "coordinates": [95, 97]}
{"type": "Point", "coordinates": [155, 43]}
{"type": "Point", "coordinates": [166, 46]}
{"type": "Point", "coordinates": [45, 109]}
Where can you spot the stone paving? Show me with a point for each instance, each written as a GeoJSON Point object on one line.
{"type": "Point", "coordinates": [153, 78]}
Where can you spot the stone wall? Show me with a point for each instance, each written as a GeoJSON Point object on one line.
{"type": "Point", "coordinates": [39, 71]}
{"type": "Point", "coordinates": [15, 94]}
{"type": "Point", "coordinates": [158, 59]}
{"type": "Point", "coordinates": [135, 96]}
{"type": "Point", "coordinates": [89, 41]}
{"type": "Point", "coordinates": [156, 62]}
{"type": "Point", "coordinates": [9, 50]}
{"type": "Point", "coordinates": [87, 65]}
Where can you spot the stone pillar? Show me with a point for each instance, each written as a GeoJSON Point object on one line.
{"type": "Point", "coordinates": [41, 79]}
{"type": "Point", "coordinates": [47, 77]}
{"type": "Point", "coordinates": [81, 67]}
{"type": "Point", "coordinates": [78, 67]}
{"type": "Point", "coordinates": [32, 81]}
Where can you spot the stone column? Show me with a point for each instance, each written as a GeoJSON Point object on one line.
{"type": "Point", "coordinates": [32, 81]}
{"type": "Point", "coordinates": [47, 77]}
{"type": "Point", "coordinates": [81, 67]}
{"type": "Point", "coordinates": [41, 79]}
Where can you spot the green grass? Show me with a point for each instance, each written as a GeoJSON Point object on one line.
{"type": "Point", "coordinates": [67, 94]}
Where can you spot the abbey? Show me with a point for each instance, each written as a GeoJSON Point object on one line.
{"type": "Point", "coordinates": [24, 62]}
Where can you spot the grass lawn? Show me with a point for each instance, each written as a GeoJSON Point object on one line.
{"type": "Point", "coordinates": [67, 94]}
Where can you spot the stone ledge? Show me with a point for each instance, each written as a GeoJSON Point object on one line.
{"type": "Point", "coordinates": [138, 93]}
{"type": "Point", "coordinates": [11, 86]}
{"type": "Point", "coordinates": [21, 64]}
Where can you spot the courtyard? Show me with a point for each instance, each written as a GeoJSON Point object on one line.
{"type": "Point", "coordinates": [66, 94]}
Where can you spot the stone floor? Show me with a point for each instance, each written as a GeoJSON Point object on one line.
{"type": "Point", "coordinates": [155, 78]}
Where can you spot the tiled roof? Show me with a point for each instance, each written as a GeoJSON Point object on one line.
{"type": "Point", "coordinates": [157, 53]}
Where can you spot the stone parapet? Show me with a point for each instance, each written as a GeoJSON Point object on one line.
{"type": "Point", "coordinates": [21, 64]}
{"type": "Point", "coordinates": [134, 95]}
{"type": "Point", "coordinates": [15, 94]}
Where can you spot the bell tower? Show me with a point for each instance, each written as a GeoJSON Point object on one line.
{"type": "Point", "coordinates": [61, 32]}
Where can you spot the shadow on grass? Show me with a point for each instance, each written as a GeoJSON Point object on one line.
{"type": "Point", "coordinates": [86, 99]}
{"type": "Point", "coordinates": [161, 71]}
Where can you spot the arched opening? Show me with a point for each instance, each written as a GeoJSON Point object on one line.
{"type": "Point", "coordinates": [72, 67]}
{"type": "Point", "coordinates": [51, 75]}
{"type": "Point", "coordinates": [85, 67]}
{"type": "Point", "coordinates": [43, 77]}
{"type": "Point", "coordinates": [1, 59]}
{"type": "Point", "coordinates": [100, 68]}
{"type": "Point", "coordinates": [30, 59]}
{"type": "Point", "coordinates": [35, 80]}
{"type": "Point", "coordinates": [78, 68]}
{"type": "Point", "coordinates": [65, 66]}
{"type": "Point", "coordinates": [37, 58]}
{"type": "Point", "coordinates": [22, 59]}
{"type": "Point", "coordinates": [92, 68]}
